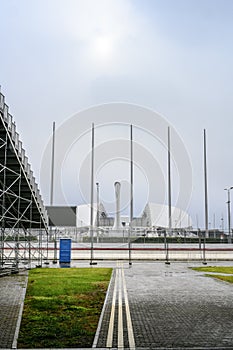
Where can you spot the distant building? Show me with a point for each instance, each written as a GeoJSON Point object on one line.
{"type": "Point", "coordinates": [62, 216]}
{"type": "Point", "coordinates": [153, 216]}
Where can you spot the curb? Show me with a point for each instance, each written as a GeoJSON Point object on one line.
{"type": "Point", "coordinates": [103, 311]}
{"type": "Point", "coordinates": [14, 344]}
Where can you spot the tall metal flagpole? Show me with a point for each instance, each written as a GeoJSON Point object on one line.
{"type": "Point", "coordinates": [52, 166]}
{"type": "Point", "coordinates": [98, 210]}
{"type": "Point", "coordinates": [92, 192]}
{"type": "Point", "coordinates": [214, 226]}
{"type": "Point", "coordinates": [169, 195]}
{"type": "Point", "coordinates": [206, 200]}
{"type": "Point", "coordinates": [169, 181]}
{"type": "Point", "coordinates": [51, 191]}
{"type": "Point", "coordinates": [131, 192]}
{"type": "Point", "coordinates": [229, 211]}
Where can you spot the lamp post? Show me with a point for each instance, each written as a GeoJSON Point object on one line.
{"type": "Point", "coordinates": [222, 226]}
{"type": "Point", "coordinates": [229, 212]}
{"type": "Point", "coordinates": [214, 226]}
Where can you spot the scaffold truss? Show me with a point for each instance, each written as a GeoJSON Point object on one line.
{"type": "Point", "coordinates": [23, 217]}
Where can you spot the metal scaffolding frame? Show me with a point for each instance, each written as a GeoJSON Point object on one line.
{"type": "Point", "coordinates": [23, 217]}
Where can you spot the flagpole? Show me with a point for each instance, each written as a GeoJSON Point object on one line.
{"type": "Point", "coordinates": [169, 197]}
{"type": "Point", "coordinates": [52, 191]}
{"type": "Point", "coordinates": [131, 193]}
{"type": "Point", "coordinates": [206, 200]}
{"type": "Point", "coordinates": [92, 191]}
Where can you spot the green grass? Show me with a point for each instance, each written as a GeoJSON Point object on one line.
{"type": "Point", "coordinates": [217, 269]}
{"type": "Point", "coordinates": [222, 278]}
{"type": "Point", "coordinates": [62, 307]}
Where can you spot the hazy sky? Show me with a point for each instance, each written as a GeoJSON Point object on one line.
{"type": "Point", "coordinates": [172, 56]}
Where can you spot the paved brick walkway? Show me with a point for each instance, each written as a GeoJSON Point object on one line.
{"type": "Point", "coordinates": [170, 306]}
{"type": "Point", "coordinates": [11, 296]}
{"type": "Point", "coordinates": [175, 307]}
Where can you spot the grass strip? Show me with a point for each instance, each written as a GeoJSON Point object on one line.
{"type": "Point", "coordinates": [222, 278]}
{"type": "Point", "coordinates": [62, 307]}
{"type": "Point", "coordinates": [217, 269]}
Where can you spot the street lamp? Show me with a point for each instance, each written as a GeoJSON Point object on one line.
{"type": "Point", "coordinates": [229, 212]}
{"type": "Point", "coordinates": [222, 225]}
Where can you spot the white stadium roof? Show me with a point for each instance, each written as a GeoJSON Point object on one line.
{"type": "Point", "coordinates": [157, 215]}
{"type": "Point", "coordinates": [154, 215]}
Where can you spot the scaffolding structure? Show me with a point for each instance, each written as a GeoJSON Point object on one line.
{"type": "Point", "coordinates": [23, 217]}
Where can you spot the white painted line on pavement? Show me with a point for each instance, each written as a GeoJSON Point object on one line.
{"type": "Point", "coordinates": [94, 345]}
{"type": "Point", "coordinates": [111, 322]}
{"type": "Point", "coordinates": [120, 339]}
{"type": "Point", "coordinates": [128, 317]}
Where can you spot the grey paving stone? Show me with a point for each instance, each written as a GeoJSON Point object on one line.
{"type": "Point", "coordinates": [11, 297]}
{"type": "Point", "coordinates": [173, 306]}
{"type": "Point", "coordinates": [177, 308]}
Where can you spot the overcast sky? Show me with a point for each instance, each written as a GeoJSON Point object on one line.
{"type": "Point", "coordinates": [59, 57]}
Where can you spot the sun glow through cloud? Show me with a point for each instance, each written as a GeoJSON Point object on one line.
{"type": "Point", "coordinates": [171, 56]}
{"type": "Point", "coordinates": [103, 47]}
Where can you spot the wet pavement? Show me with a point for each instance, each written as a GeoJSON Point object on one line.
{"type": "Point", "coordinates": [12, 292]}
{"type": "Point", "coordinates": [172, 306]}
{"type": "Point", "coordinates": [157, 306]}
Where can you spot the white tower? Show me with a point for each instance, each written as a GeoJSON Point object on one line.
{"type": "Point", "coordinates": [117, 222]}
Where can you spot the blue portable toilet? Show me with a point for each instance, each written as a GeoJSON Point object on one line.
{"type": "Point", "coordinates": [65, 252]}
